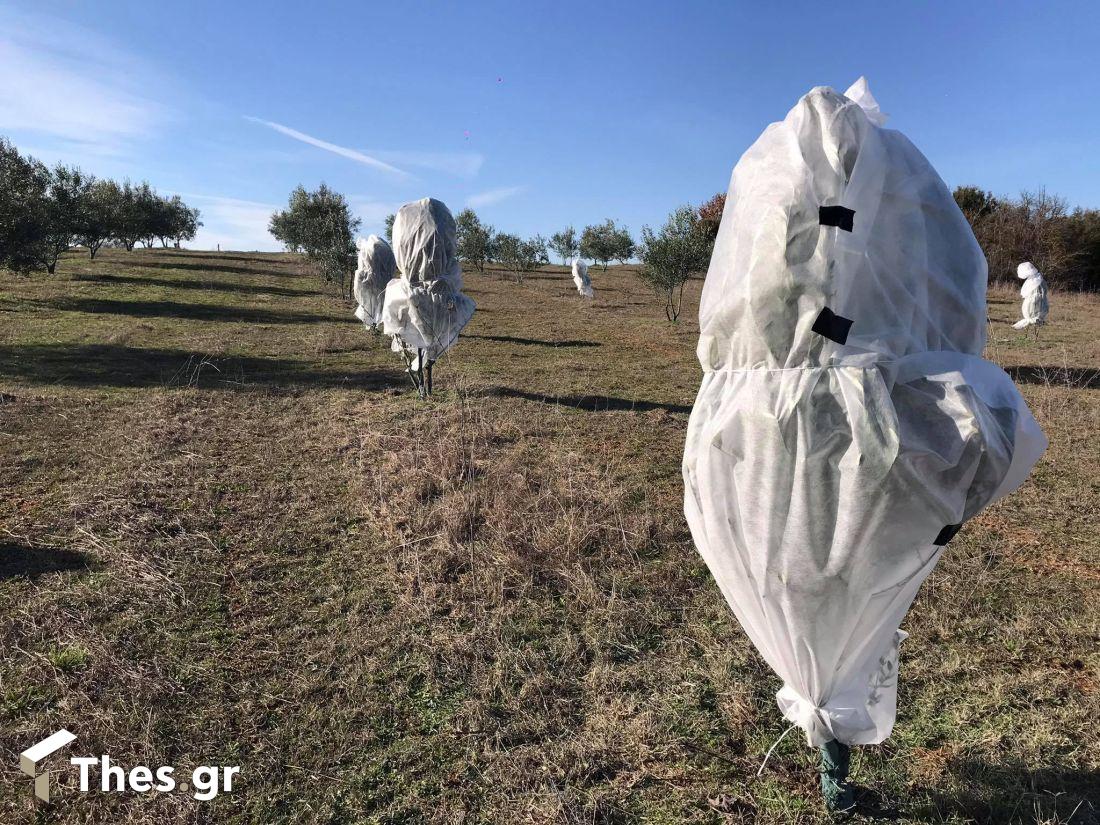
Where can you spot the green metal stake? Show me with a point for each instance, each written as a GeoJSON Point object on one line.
{"type": "Point", "coordinates": [835, 758]}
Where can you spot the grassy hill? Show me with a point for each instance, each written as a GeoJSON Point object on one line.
{"type": "Point", "coordinates": [232, 535]}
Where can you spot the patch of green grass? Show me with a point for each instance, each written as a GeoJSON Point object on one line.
{"type": "Point", "coordinates": [69, 659]}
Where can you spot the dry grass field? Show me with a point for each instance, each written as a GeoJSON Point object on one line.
{"type": "Point", "coordinates": [230, 534]}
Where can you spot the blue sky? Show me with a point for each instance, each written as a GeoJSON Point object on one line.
{"type": "Point", "coordinates": [536, 114]}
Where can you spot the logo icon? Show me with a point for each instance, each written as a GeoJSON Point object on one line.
{"type": "Point", "coordinates": [34, 755]}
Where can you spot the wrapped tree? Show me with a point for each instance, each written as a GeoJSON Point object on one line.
{"type": "Point", "coordinates": [424, 308]}
{"type": "Point", "coordinates": [846, 427]}
{"type": "Point", "coordinates": [376, 268]}
{"type": "Point", "coordinates": [581, 279]}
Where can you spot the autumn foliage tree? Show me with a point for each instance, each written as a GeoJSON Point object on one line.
{"type": "Point", "coordinates": [710, 216]}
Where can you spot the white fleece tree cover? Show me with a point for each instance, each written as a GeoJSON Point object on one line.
{"type": "Point", "coordinates": [846, 424]}
{"type": "Point", "coordinates": [425, 309]}
{"type": "Point", "coordinates": [581, 279]}
{"type": "Point", "coordinates": [1036, 303]}
{"type": "Point", "coordinates": [376, 268]}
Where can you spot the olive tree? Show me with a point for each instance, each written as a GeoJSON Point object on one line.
{"type": "Point", "coordinates": [67, 195]}
{"type": "Point", "coordinates": [132, 220]}
{"type": "Point", "coordinates": [40, 210]}
{"type": "Point", "coordinates": [521, 257]}
{"type": "Point", "coordinates": [671, 255]}
{"type": "Point", "coordinates": [606, 242]}
{"type": "Point", "coordinates": [474, 239]}
{"type": "Point", "coordinates": [44, 212]}
{"type": "Point", "coordinates": [24, 183]}
{"type": "Point", "coordinates": [185, 222]}
{"type": "Point", "coordinates": [565, 244]}
{"type": "Point", "coordinates": [99, 216]}
{"type": "Point", "coordinates": [319, 224]}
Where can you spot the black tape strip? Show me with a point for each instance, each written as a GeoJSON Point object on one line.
{"type": "Point", "coordinates": [946, 534]}
{"type": "Point", "coordinates": [832, 326]}
{"type": "Point", "coordinates": [838, 216]}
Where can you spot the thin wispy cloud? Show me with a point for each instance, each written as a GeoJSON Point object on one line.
{"type": "Point", "coordinates": [493, 196]}
{"type": "Point", "coordinates": [459, 164]}
{"type": "Point", "coordinates": [232, 223]}
{"type": "Point", "coordinates": [336, 149]}
{"type": "Point", "coordinates": [63, 82]}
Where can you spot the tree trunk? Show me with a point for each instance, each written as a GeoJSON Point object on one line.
{"type": "Point", "coordinates": [678, 302]}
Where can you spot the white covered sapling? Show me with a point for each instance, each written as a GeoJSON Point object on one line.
{"type": "Point", "coordinates": [424, 309]}
{"type": "Point", "coordinates": [375, 270]}
{"type": "Point", "coordinates": [846, 426]}
{"type": "Point", "coordinates": [1036, 301]}
{"type": "Point", "coordinates": [581, 279]}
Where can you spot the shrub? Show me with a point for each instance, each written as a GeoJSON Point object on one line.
{"type": "Point", "coordinates": [710, 216]}
{"type": "Point", "coordinates": [670, 257]}
{"type": "Point", "coordinates": [565, 244]}
{"type": "Point", "coordinates": [474, 239]}
{"type": "Point", "coordinates": [606, 242]}
{"type": "Point", "coordinates": [519, 256]}
{"type": "Point", "coordinates": [320, 225]}
{"type": "Point", "coordinates": [1036, 227]}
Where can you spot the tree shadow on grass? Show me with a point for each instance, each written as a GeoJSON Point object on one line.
{"type": "Point", "coordinates": [194, 312]}
{"type": "Point", "coordinates": [1013, 792]}
{"type": "Point", "coordinates": [590, 403]}
{"type": "Point", "coordinates": [19, 560]}
{"type": "Point", "coordinates": [564, 277]}
{"type": "Point", "coordinates": [1073, 377]}
{"type": "Point", "coordinates": [215, 266]}
{"type": "Point", "coordinates": [218, 286]}
{"type": "Point", "coordinates": [111, 365]}
{"type": "Point", "coordinates": [212, 255]}
{"type": "Point", "coordinates": [533, 342]}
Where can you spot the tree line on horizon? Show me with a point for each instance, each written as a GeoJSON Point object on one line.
{"type": "Point", "coordinates": [1064, 244]}
{"type": "Point", "coordinates": [46, 211]}
{"type": "Point", "coordinates": [319, 224]}
{"type": "Point", "coordinates": [1038, 227]}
